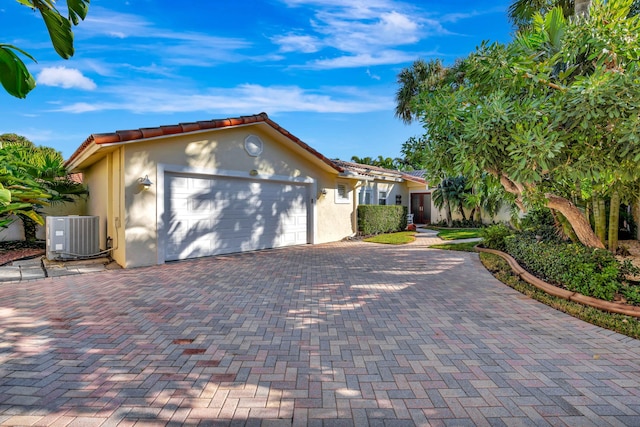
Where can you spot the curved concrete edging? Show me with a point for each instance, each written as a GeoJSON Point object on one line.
{"type": "Point", "coordinates": [612, 307]}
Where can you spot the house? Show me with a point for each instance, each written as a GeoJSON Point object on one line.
{"type": "Point", "coordinates": [381, 186]}
{"type": "Point", "coordinates": [223, 186]}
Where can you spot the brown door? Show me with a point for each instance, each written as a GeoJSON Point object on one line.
{"type": "Point", "coordinates": [421, 208]}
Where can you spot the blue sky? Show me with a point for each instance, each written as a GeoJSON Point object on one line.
{"type": "Point", "coordinates": [323, 69]}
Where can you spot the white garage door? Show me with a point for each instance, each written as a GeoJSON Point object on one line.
{"type": "Point", "coordinates": [218, 215]}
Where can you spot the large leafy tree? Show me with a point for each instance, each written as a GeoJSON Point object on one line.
{"type": "Point", "coordinates": [522, 12]}
{"type": "Point", "coordinates": [14, 75]}
{"type": "Point", "coordinates": [552, 111]}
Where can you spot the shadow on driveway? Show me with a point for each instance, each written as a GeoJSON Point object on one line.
{"type": "Point", "coordinates": [338, 334]}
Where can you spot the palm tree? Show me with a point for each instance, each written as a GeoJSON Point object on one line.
{"type": "Point", "coordinates": [44, 169]}
{"type": "Point", "coordinates": [411, 81]}
{"type": "Point", "coordinates": [521, 12]}
{"type": "Point", "coordinates": [18, 191]}
{"type": "Point", "coordinates": [450, 194]}
{"type": "Point", "coordinates": [486, 195]}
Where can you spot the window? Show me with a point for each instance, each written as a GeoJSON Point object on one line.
{"type": "Point", "coordinates": [382, 197]}
{"type": "Point", "coordinates": [365, 196]}
{"type": "Point", "coordinates": [342, 193]}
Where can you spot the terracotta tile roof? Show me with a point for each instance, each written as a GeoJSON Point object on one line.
{"type": "Point", "coordinates": [145, 133]}
{"type": "Point", "coordinates": [373, 171]}
{"type": "Point", "coordinates": [418, 173]}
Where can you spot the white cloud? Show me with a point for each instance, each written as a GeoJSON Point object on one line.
{"type": "Point", "coordinates": [364, 32]}
{"type": "Point", "coordinates": [295, 43]}
{"type": "Point", "coordinates": [362, 60]}
{"type": "Point", "coordinates": [67, 78]}
{"type": "Point", "coordinates": [241, 99]}
{"type": "Point", "coordinates": [373, 76]}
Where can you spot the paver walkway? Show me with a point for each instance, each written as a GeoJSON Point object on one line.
{"type": "Point", "coordinates": [338, 334]}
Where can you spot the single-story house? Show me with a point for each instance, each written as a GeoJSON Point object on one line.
{"type": "Point", "coordinates": [223, 186]}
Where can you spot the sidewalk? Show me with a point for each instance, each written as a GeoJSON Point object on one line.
{"type": "Point", "coordinates": [427, 237]}
{"type": "Point", "coordinates": [39, 268]}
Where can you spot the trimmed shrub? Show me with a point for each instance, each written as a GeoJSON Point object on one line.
{"type": "Point", "coordinates": [376, 219]}
{"type": "Point", "coordinates": [493, 236]}
{"type": "Point", "coordinates": [591, 272]}
{"type": "Point", "coordinates": [540, 222]}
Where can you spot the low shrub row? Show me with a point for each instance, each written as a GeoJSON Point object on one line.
{"type": "Point", "coordinates": [591, 272]}
{"type": "Point", "coordinates": [376, 219]}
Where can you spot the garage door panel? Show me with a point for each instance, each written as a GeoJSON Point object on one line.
{"type": "Point", "coordinates": [209, 216]}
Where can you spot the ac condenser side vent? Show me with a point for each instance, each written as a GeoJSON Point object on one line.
{"type": "Point", "coordinates": [72, 237]}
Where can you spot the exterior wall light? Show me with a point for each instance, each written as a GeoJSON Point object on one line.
{"type": "Point", "coordinates": [145, 182]}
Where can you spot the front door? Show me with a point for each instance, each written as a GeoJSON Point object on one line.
{"type": "Point", "coordinates": [421, 208]}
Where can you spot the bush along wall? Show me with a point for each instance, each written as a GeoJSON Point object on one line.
{"type": "Point", "coordinates": [376, 219]}
{"type": "Point", "coordinates": [591, 272]}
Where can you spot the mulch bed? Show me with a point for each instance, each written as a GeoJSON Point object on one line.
{"type": "Point", "coordinates": [17, 250]}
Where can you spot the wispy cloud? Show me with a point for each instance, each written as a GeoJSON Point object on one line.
{"type": "Point", "coordinates": [67, 78]}
{"type": "Point", "coordinates": [373, 76]}
{"type": "Point", "coordinates": [362, 60]}
{"type": "Point", "coordinates": [183, 48]}
{"type": "Point", "coordinates": [295, 43]}
{"type": "Point", "coordinates": [248, 97]}
{"type": "Point", "coordinates": [365, 32]}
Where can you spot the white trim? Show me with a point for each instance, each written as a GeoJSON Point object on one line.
{"type": "Point", "coordinates": [253, 145]}
{"type": "Point", "coordinates": [162, 169]}
{"type": "Point", "coordinates": [342, 200]}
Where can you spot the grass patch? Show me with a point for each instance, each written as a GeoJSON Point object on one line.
{"type": "Point", "coordinates": [400, 238]}
{"type": "Point", "coordinates": [458, 233]}
{"type": "Point", "coordinates": [626, 325]}
{"type": "Point", "coordinates": [464, 247]}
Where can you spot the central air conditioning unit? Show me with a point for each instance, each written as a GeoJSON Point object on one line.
{"type": "Point", "coordinates": [72, 237]}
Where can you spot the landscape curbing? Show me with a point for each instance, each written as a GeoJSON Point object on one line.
{"type": "Point", "coordinates": [612, 307]}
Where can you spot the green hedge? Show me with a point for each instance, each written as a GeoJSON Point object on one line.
{"type": "Point", "coordinates": [376, 219]}
{"type": "Point", "coordinates": [589, 271]}
{"type": "Point", "coordinates": [493, 236]}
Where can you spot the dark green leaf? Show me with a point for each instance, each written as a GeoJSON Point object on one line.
{"type": "Point", "coordinates": [77, 10]}
{"type": "Point", "coordinates": [59, 31]}
{"type": "Point", "coordinates": [14, 76]}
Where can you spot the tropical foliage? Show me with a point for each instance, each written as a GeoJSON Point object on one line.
{"type": "Point", "coordinates": [31, 178]}
{"type": "Point", "coordinates": [14, 75]}
{"type": "Point", "coordinates": [380, 161]}
{"type": "Point", "coordinates": [553, 115]}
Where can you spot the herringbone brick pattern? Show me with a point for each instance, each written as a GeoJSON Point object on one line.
{"type": "Point", "coordinates": [339, 335]}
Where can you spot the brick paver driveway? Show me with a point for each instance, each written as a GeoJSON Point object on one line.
{"type": "Point", "coordinates": [337, 334]}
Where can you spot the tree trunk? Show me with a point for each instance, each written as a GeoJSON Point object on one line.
{"type": "Point", "coordinates": [29, 227]}
{"type": "Point", "coordinates": [447, 212]}
{"type": "Point", "coordinates": [478, 215]}
{"type": "Point", "coordinates": [635, 210]}
{"type": "Point", "coordinates": [600, 218]}
{"type": "Point", "coordinates": [461, 209]}
{"type": "Point", "coordinates": [576, 218]}
{"type": "Point", "coordinates": [565, 226]}
{"type": "Point", "coordinates": [614, 218]}
{"type": "Point", "coordinates": [582, 7]}
{"type": "Point", "coordinates": [574, 215]}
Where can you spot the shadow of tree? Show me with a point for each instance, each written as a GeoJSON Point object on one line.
{"type": "Point", "coordinates": [259, 336]}
{"type": "Point", "coordinates": [148, 343]}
